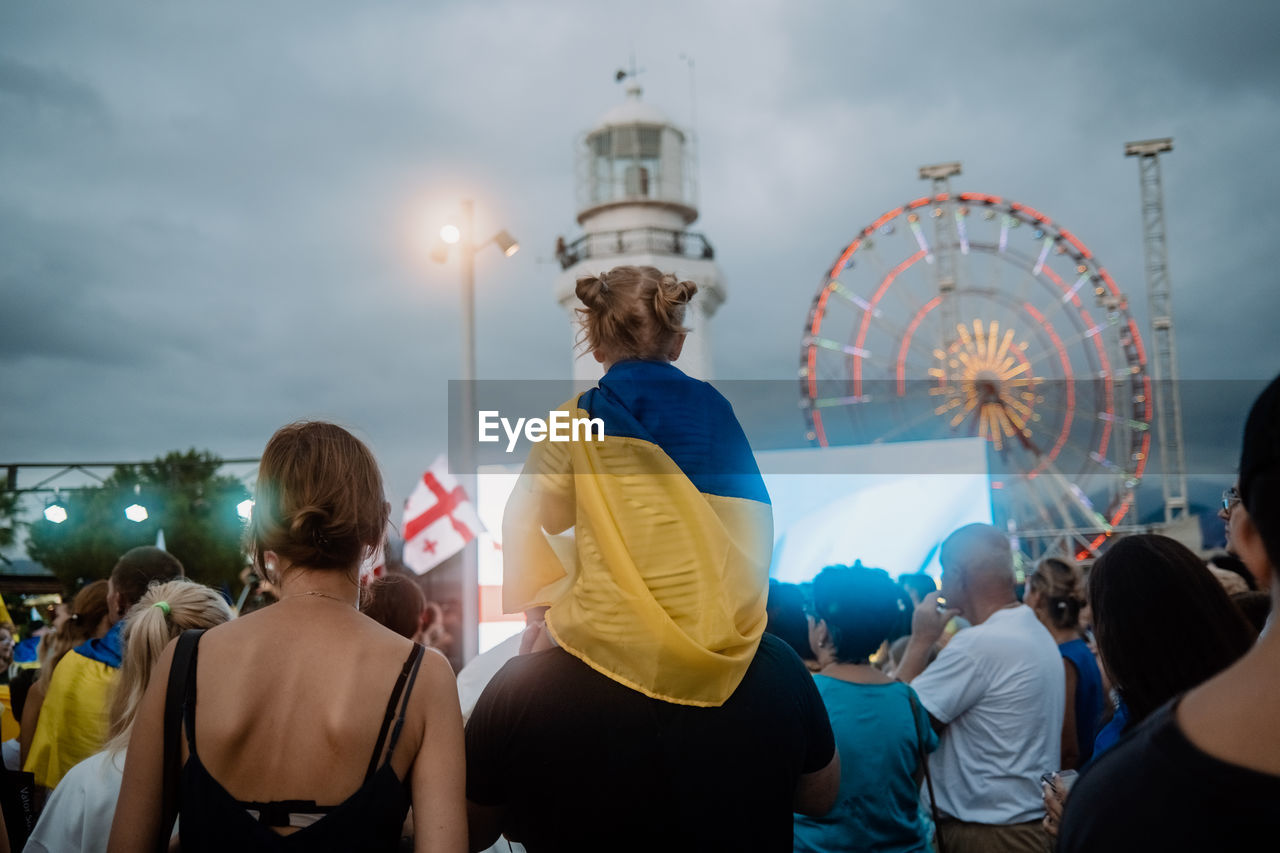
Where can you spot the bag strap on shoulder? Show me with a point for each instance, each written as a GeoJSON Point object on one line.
{"type": "Point", "coordinates": [924, 765]}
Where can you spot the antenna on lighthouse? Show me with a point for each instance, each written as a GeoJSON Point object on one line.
{"type": "Point", "coordinates": [629, 73]}
{"type": "Point", "coordinates": [693, 97]}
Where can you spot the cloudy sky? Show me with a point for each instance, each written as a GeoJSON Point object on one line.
{"type": "Point", "coordinates": [211, 213]}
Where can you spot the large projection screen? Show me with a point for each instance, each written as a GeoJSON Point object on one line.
{"type": "Point", "coordinates": [889, 505]}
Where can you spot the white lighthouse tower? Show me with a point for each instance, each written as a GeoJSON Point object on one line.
{"type": "Point", "coordinates": [636, 199]}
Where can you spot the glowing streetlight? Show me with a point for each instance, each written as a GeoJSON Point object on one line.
{"type": "Point", "coordinates": [465, 237]}
{"type": "Point", "coordinates": [55, 512]}
{"type": "Point", "coordinates": [244, 509]}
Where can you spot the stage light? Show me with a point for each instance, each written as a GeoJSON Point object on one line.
{"type": "Point", "coordinates": [244, 509]}
{"type": "Point", "coordinates": [56, 513]}
{"type": "Point", "coordinates": [135, 513]}
{"type": "Point", "coordinates": [450, 234]}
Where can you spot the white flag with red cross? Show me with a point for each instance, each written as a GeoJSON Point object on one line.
{"type": "Point", "coordinates": [439, 519]}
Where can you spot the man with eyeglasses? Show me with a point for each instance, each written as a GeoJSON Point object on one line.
{"type": "Point", "coordinates": [1230, 497]}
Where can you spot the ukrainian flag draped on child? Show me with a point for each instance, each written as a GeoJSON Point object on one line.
{"type": "Point", "coordinates": [664, 585]}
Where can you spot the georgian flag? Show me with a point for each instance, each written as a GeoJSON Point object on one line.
{"type": "Point", "coordinates": [374, 565]}
{"type": "Point", "coordinates": [439, 519]}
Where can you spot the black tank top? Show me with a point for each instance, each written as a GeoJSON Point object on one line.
{"type": "Point", "coordinates": [370, 819]}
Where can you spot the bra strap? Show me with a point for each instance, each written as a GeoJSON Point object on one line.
{"type": "Point", "coordinates": [408, 674]}
{"type": "Point", "coordinates": [189, 687]}
{"type": "Point", "coordinates": [181, 671]}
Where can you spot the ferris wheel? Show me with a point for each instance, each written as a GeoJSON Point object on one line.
{"type": "Point", "coordinates": [972, 315]}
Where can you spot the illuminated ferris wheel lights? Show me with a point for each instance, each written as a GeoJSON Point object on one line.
{"type": "Point", "coordinates": [1044, 254]}
{"type": "Point", "coordinates": [976, 375]}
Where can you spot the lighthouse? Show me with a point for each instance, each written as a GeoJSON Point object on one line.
{"type": "Point", "coordinates": [636, 193]}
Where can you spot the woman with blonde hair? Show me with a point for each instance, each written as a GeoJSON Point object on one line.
{"type": "Point", "coordinates": [654, 666]}
{"type": "Point", "coordinates": [77, 816]}
{"type": "Point", "coordinates": [284, 741]}
{"type": "Point", "coordinates": [87, 620]}
{"type": "Point", "coordinates": [1055, 591]}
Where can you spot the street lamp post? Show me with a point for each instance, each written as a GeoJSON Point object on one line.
{"type": "Point", "coordinates": [471, 552]}
{"type": "Point", "coordinates": [463, 235]}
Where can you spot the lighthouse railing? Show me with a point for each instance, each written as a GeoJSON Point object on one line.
{"type": "Point", "coordinates": [635, 241]}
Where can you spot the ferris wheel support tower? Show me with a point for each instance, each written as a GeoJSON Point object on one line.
{"type": "Point", "coordinates": [1168, 397]}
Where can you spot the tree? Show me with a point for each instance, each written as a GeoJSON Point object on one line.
{"type": "Point", "coordinates": [184, 496]}
{"type": "Point", "coordinates": [9, 511]}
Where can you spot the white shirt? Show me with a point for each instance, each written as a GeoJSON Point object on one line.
{"type": "Point", "coordinates": [77, 816]}
{"type": "Point", "coordinates": [476, 675]}
{"type": "Point", "coordinates": [1001, 689]}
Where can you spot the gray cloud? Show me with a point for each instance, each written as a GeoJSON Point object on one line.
{"type": "Point", "coordinates": [211, 215]}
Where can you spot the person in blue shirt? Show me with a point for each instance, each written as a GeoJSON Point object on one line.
{"type": "Point", "coordinates": [882, 732]}
{"type": "Point", "coordinates": [1055, 591]}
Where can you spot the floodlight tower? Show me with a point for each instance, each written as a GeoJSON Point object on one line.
{"type": "Point", "coordinates": [944, 245]}
{"type": "Point", "coordinates": [1164, 360]}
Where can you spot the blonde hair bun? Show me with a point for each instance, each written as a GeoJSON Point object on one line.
{"type": "Point", "coordinates": [591, 290]}
{"type": "Point", "coordinates": [633, 312]}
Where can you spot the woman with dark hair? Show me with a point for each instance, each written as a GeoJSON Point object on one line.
{"type": "Point", "coordinates": [395, 601]}
{"type": "Point", "coordinates": [1134, 588]}
{"type": "Point", "coordinates": [1203, 773]}
{"type": "Point", "coordinates": [1055, 591]}
{"type": "Point", "coordinates": [787, 619]}
{"type": "Point", "coordinates": [305, 719]}
{"type": "Point", "coordinates": [882, 732]}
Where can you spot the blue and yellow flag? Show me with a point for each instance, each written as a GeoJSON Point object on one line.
{"type": "Point", "coordinates": [664, 582]}
{"type": "Point", "coordinates": [73, 719]}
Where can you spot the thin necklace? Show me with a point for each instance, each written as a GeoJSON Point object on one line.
{"type": "Point", "coordinates": [320, 594]}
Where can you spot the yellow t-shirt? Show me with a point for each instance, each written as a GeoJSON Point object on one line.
{"type": "Point", "coordinates": [73, 719]}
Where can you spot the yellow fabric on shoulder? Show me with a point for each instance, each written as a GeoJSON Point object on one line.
{"type": "Point", "coordinates": [9, 727]}
{"type": "Point", "coordinates": [73, 719]}
{"type": "Point", "coordinates": [664, 589]}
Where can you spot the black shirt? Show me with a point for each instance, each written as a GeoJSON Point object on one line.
{"type": "Point", "coordinates": [1155, 790]}
{"type": "Point", "coordinates": [577, 761]}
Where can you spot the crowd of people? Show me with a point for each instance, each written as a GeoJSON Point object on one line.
{"type": "Point", "coordinates": [665, 694]}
